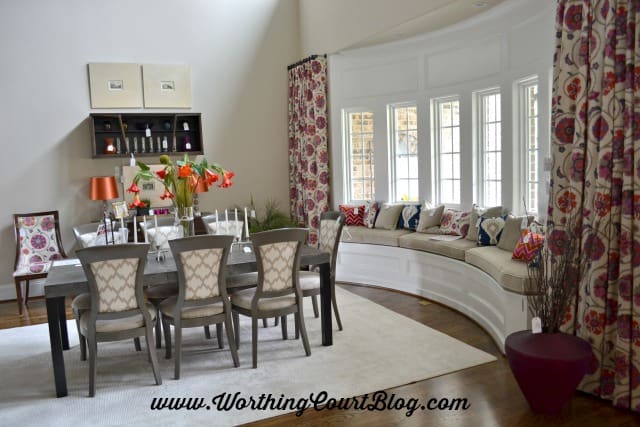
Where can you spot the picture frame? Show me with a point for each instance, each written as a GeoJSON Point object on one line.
{"type": "Point", "coordinates": [120, 210]}
{"type": "Point", "coordinates": [115, 85]}
{"type": "Point", "coordinates": [149, 190]}
{"type": "Point", "coordinates": [166, 86]}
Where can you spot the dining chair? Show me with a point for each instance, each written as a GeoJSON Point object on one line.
{"type": "Point", "coordinates": [117, 310]}
{"type": "Point", "coordinates": [226, 225]}
{"type": "Point", "coordinates": [278, 291]}
{"type": "Point", "coordinates": [331, 224]}
{"type": "Point", "coordinates": [202, 292]}
{"type": "Point", "coordinates": [38, 243]}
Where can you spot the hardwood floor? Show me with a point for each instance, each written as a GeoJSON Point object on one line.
{"type": "Point", "coordinates": [490, 389]}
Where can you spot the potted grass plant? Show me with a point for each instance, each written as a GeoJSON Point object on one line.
{"type": "Point", "coordinates": [547, 363]}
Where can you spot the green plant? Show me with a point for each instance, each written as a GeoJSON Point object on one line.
{"type": "Point", "coordinates": [273, 218]}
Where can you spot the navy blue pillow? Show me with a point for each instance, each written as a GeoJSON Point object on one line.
{"type": "Point", "coordinates": [490, 230]}
{"type": "Point", "coordinates": [409, 217]}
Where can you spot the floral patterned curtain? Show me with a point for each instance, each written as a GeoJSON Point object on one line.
{"type": "Point", "coordinates": [596, 171]}
{"type": "Point", "coordinates": [308, 143]}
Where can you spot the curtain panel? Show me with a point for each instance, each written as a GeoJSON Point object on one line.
{"type": "Point", "coordinates": [596, 174]}
{"type": "Point", "coordinates": [308, 143]}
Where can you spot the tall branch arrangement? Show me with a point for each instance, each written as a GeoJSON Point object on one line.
{"type": "Point", "coordinates": [555, 274]}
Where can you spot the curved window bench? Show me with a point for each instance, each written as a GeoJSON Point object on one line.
{"type": "Point", "coordinates": [446, 280]}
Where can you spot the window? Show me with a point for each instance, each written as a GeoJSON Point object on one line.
{"type": "Point", "coordinates": [360, 155]}
{"type": "Point", "coordinates": [530, 149]}
{"type": "Point", "coordinates": [446, 137]}
{"type": "Point", "coordinates": [490, 144]}
{"type": "Point", "coordinates": [404, 152]}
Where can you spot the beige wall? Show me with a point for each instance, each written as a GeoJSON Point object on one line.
{"type": "Point", "coordinates": [238, 52]}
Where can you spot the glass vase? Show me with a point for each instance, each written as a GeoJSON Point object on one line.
{"type": "Point", "coordinates": [184, 205]}
{"type": "Point", "coordinates": [185, 216]}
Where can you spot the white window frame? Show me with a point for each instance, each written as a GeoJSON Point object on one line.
{"type": "Point", "coordinates": [479, 97]}
{"type": "Point", "coordinates": [347, 153]}
{"type": "Point", "coordinates": [524, 151]}
{"type": "Point", "coordinates": [391, 109]}
{"type": "Point", "coordinates": [436, 127]}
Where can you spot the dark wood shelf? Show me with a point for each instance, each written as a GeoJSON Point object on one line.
{"type": "Point", "coordinates": [110, 127]}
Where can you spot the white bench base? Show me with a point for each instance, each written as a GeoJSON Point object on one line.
{"type": "Point", "coordinates": [448, 281]}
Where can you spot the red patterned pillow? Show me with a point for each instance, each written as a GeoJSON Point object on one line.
{"type": "Point", "coordinates": [528, 246]}
{"type": "Point", "coordinates": [354, 214]}
{"type": "Point", "coordinates": [455, 223]}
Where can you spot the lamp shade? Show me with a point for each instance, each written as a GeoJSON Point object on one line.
{"type": "Point", "coordinates": [103, 188]}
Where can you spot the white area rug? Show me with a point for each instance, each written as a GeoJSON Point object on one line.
{"type": "Point", "coordinates": [378, 349]}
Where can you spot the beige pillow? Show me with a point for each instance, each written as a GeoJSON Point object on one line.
{"type": "Point", "coordinates": [476, 213]}
{"type": "Point", "coordinates": [388, 216]}
{"type": "Point", "coordinates": [430, 218]}
{"type": "Point", "coordinates": [511, 232]}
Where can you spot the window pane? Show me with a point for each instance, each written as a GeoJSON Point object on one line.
{"type": "Point", "coordinates": [456, 140]}
{"type": "Point", "coordinates": [447, 142]}
{"type": "Point", "coordinates": [445, 114]}
{"type": "Point", "coordinates": [490, 146]}
{"type": "Point", "coordinates": [413, 190]}
{"type": "Point", "coordinates": [413, 142]}
{"type": "Point", "coordinates": [404, 151]}
{"type": "Point", "coordinates": [530, 148]}
{"type": "Point", "coordinates": [360, 139]}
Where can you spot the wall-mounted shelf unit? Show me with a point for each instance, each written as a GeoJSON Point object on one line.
{"type": "Point", "coordinates": [119, 135]}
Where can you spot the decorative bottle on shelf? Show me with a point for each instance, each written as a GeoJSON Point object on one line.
{"type": "Point", "coordinates": [151, 145]}
{"type": "Point", "coordinates": [147, 131]}
{"type": "Point", "coordinates": [165, 144]}
{"type": "Point", "coordinates": [159, 145]}
{"type": "Point", "coordinates": [143, 148]}
{"type": "Point", "coordinates": [126, 145]}
{"type": "Point", "coordinates": [187, 143]}
{"type": "Point", "coordinates": [135, 144]}
{"type": "Point", "coordinates": [174, 148]}
{"type": "Point", "coordinates": [118, 146]}
{"type": "Point", "coordinates": [109, 148]}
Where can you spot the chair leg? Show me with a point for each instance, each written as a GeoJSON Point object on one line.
{"type": "Point", "coordinates": [136, 344]}
{"type": "Point", "coordinates": [232, 342]}
{"type": "Point", "coordinates": [264, 323]}
{"type": "Point", "coordinates": [167, 338]}
{"type": "Point", "coordinates": [153, 357]}
{"type": "Point", "coordinates": [236, 327]}
{"type": "Point", "coordinates": [275, 323]}
{"type": "Point", "coordinates": [178, 351]}
{"type": "Point", "coordinates": [297, 325]}
{"type": "Point", "coordinates": [26, 292]}
{"type": "Point", "coordinates": [93, 349]}
{"type": "Point", "coordinates": [207, 332]}
{"type": "Point", "coordinates": [314, 302]}
{"type": "Point", "coordinates": [284, 327]}
{"type": "Point", "coordinates": [19, 295]}
{"type": "Point", "coordinates": [303, 332]}
{"type": "Point", "coordinates": [219, 335]}
{"type": "Point", "coordinates": [158, 329]}
{"type": "Point", "coordinates": [335, 307]}
{"type": "Point", "coordinates": [254, 341]}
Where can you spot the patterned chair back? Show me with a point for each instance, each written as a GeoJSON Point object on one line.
{"type": "Point", "coordinates": [37, 241]}
{"type": "Point", "coordinates": [201, 262]}
{"type": "Point", "coordinates": [114, 274]}
{"type": "Point", "coordinates": [278, 259]}
{"type": "Point", "coordinates": [331, 224]}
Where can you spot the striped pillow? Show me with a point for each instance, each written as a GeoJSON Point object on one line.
{"type": "Point", "coordinates": [354, 214]}
{"type": "Point", "coordinates": [528, 246]}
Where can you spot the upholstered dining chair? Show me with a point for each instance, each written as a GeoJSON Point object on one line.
{"type": "Point", "coordinates": [202, 292]}
{"type": "Point", "coordinates": [118, 310]}
{"type": "Point", "coordinates": [331, 224]}
{"type": "Point", "coordinates": [38, 243]}
{"type": "Point", "coordinates": [278, 291]}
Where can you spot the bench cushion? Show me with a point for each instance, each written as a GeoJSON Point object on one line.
{"type": "Point", "coordinates": [424, 242]}
{"type": "Point", "coordinates": [512, 275]}
{"type": "Point", "coordinates": [372, 236]}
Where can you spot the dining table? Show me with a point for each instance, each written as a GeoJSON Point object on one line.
{"type": "Point", "coordinates": [67, 278]}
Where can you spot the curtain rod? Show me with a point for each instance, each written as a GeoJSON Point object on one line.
{"type": "Point", "coordinates": [302, 61]}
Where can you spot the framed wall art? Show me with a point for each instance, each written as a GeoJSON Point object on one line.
{"type": "Point", "coordinates": [149, 190]}
{"type": "Point", "coordinates": [166, 86]}
{"type": "Point", "coordinates": [115, 85]}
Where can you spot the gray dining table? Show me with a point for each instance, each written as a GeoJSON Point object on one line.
{"type": "Point", "coordinates": [68, 279]}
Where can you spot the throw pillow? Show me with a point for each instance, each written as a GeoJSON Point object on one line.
{"type": "Point", "coordinates": [354, 214]}
{"type": "Point", "coordinates": [455, 223]}
{"type": "Point", "coordinates": [388, 216]}
{"type": "Point", "coordinates": [528, 246]}
{"type": "Point", "coordinates": [474, 219]}
{"type": "Point", "coordinates": [512, 230]}
{"type": "Point", "coordinates": [490, 230]}
{"type": "Point", "coordinates": [371, 214]}
{"type": "Point", "coordinates": [430, 218]}
{"type": "Point", "coordinates": [409, 217]}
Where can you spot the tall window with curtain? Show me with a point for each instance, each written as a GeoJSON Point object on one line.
{"type": "Point", "coordinates": [595, 130]}
{"type": "Point", "coordinates": [308, 143]}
